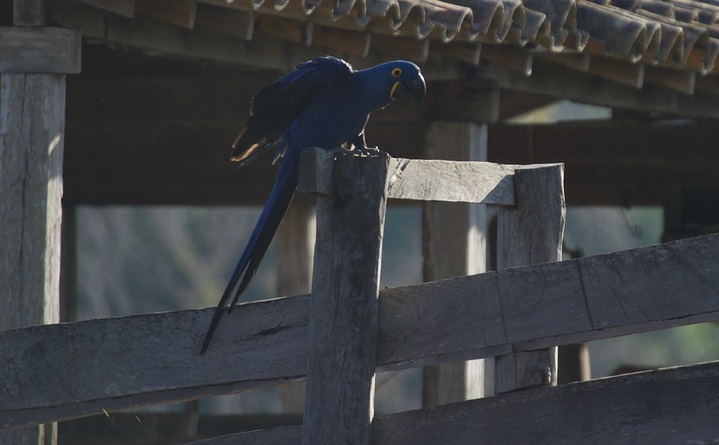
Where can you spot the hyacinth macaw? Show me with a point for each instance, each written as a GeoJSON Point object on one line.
{"type": "Point", "coordinates": [322, 103]}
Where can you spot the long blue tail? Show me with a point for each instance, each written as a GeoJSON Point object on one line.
{"type": "Point", "coordinates": [272, 214]}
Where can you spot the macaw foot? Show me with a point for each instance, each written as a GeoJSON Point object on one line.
{"type": "Point", "coordinates": [367, 152]}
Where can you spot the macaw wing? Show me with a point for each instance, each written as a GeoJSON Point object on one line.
{"type": "Point", "coordinates": [276, 106]}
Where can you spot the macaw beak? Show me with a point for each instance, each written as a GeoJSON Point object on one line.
{"type": "Point", "coordinates": [416, 87]}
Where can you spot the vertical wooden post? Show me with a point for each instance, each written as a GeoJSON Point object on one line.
{"type": "Point", "coordinates": [343, 308]}
{"type": "Point", "coordinates": [32, 110]}
{"type": "Point", "coordinates": [295, 241]}
{"type": "Point", "coordinates": [32, 124]}
{"type": "Point", "coordinates": [531, 233]}
{"type": "Point", "coordinates": [454, 244]}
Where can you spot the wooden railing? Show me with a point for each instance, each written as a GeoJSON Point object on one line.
{"type": "Point", "coordinates": [349, 329]}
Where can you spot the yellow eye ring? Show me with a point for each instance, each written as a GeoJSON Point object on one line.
{"type": "Point", "coordinates": [396, 72]}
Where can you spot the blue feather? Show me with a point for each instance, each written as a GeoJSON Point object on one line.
{"type": "Point", "coordinates": [323, 103]}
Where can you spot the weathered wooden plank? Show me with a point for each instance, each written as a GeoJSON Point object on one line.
{"type": "Point", "coordinates": [125, 8]}
{"type": "Point", "coordinates": [145, 35]}
{"type": "Point", "coordinates": [153, 358]}
{"type": "Point", "coordinates": [669, 406]}
{"type": "Point", "coordinates": [423, 180]}
{"type": "Point", "coordinates": [176, 12]}
{"type": "Point", "coordinates": [339, 404]}
{"type": "Point", "coordinates": [282, 435]}
{"type": "Point", "coordinates": [552, 79]}
{"type": "Point", "coordinates": [531, 233]}
{"type": "Point", "coordinates": [39, 50]}
{"type": "Point", "coordinates": [454, 244]}
{"type": "Point", "coordinates": [226, 21]}
{"type": "Point", "coordinates": [32, 122]}
{"type": "Point", "coordinates": [565, 302]}
{"type": "Point", "coordinates": [28, 12]}
{"type": "Point", "coordinates": [154, 355]}
{"type": "Point", "coordinates": [477, 182]}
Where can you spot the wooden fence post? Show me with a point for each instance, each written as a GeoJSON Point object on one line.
{"type": "Point", "coordinates": [531, 233]}
{"type": "Point", "coordinates": [35, 60]}
{"type": "Point", "coordinates": [454, 244]}
{"type": "Point", "coordinates": [31, 145]}
{"type": "Point", "coordinates": [343, 305]}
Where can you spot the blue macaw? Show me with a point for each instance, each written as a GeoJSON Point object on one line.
{"type": "Point", "coordinates": [322, 103]}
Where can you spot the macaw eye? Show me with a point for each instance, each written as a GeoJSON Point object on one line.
{"type": "Point", "coordinates": [396, 72]}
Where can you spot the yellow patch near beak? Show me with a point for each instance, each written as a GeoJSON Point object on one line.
{"type": "Point", "coordinates": [394, 87]}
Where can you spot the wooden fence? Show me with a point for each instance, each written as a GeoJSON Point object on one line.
{"type": "Point", "coordinates": [349, 329]}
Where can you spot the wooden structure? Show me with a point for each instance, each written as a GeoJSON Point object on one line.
{"type": "Point", "coordinates": [164, 84]}
{"type": "Point", "coordinates": [510, 313]}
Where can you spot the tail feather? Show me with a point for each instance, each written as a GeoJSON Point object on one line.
{"type": "Point", "coordinates": [270, 219]}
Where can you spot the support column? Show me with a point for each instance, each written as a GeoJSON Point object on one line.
{"type": "Point", "coordinates": [454, 244]}
{"type": "Point", "coordinates": [32, 121]}
{"type": "Point", "coordinates": [453, 234]}
{"type": "Point", "coordinates": [32, 110]}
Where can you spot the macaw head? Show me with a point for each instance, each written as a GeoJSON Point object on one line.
{"type": "Point", "coordinates": [397, 79]}
{"type": "Point", "coordinates": [407, 80]}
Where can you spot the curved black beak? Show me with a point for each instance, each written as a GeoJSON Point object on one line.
{"type": "Point", "coordinates": [417, 87]}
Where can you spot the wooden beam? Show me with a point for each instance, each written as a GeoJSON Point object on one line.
{"type": "Point", "coordinates": [619, 410]}
{"type": "Point", "coordinates": [266, 342]}
{"type": "Point", "coordinates": [39, 50]}
{"type": "Point", "coordinates": [617, 70]}
{"type": "Point", "coordinates": [28, 13]}
{"type": "Point", "coordinates": [357, 43]}
{"type": "Point", "coordinates": [431, 180]}
{"type": "Point", "coordinates": [125, 8]}
{"type": "Point", "coordinates": [175, 12]}
{"type": "Point", "coordinates": [513, 59]}
{"type": "Point", "coordinates": [462, 101]}
{"type": "Point", "coordinates": [552, 79]}
{"type": "Point", "coordinates": [411, 48]}
{"type": "Point", "coordinates": [281, 435]}
{"type": "Point", "coordinates": [226, 21]}
{"type": "Point", "coordinates": [673, 79]}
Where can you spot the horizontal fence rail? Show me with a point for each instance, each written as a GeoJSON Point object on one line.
{"type": "Point", "coordinates": [423, 180]}
{"type": "Point", "coordinates": [680, 402]}
{"type": "Point", "coordinates": [56, 372]}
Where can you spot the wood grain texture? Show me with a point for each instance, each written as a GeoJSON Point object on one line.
{"type": "Point", "coordinates": [140, 360]}
{"type": "Point", "coordinates": [176, 12]}
{"type": "Point", "coordinates": [124, 8]}
{"type": "Point", "coordinates": [534, 307]}
{"type": "Point", "coordinates": [28, 12]}
{"type": "Point", "coordinates": [39, 50]}
{"type": "Point", "coordinates": [339, 404]}
{"type": "Point", "coordinates": [670, 406]}
{"type": "Point", "coordinates": [531, 233]}
{"type": "Point", "coordinates": [454, 244]}
{"type": "Point", "coordinates": [423, 180]}
{"type": "Point", "coordinates": [153, 358]}
{"type": "Point", "coordinates": [284, 435]}
{"type": "Point", "coordinates": [31, 149]}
